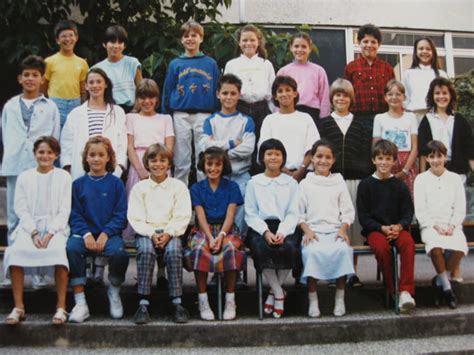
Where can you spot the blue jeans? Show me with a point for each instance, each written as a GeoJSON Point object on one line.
{"type": "Point", "coordinates": [114, 250]}
{"type": "Point", "coordinates": [65, 106]}
{"type": "Point", "coordinates": [241, 180]}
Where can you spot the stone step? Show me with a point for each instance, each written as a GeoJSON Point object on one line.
{"type": "Point", "coordinates": [371, 297]}
{"type": "Point", "coordinates": [245, 331]}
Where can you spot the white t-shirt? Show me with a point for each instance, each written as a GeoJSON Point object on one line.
{"type": "Point", "coordinates": [396, 130]}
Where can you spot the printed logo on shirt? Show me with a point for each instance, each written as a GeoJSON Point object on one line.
{"type": "Point", "coordinates": [399, 137]}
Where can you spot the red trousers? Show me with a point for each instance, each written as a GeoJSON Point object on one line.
{"type": "Point", "coordinates": [406, 248]}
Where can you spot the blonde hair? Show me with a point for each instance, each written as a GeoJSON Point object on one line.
{"type": "Point", "coordinates": [342, 86]}
{"type": "Point", "coordinates": [261, 51]}
{"type": "Point", "coordinates": [394, 83]}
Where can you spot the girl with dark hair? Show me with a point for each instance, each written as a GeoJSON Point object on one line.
{"type": "Point", "coordinates": [96, 116]}
{"type": "Point", "coordinates": [216, 245]}
{"type": "Point", "coordinates": [424, 68]}
{"type": "Point", "coordinates": [42, 203]}
{"type": "Point", "coordinates": [271, 212]}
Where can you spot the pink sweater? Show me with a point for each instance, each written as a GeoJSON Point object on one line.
{"type": "Point", "coordinates": [313, 85]}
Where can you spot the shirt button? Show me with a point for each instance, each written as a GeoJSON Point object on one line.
{"type": "Point", "coordinates": [370, 77]}
{"type": "Point", "coordinates": [371, 88]}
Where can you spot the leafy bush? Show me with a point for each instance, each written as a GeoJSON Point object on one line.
{"type": "Point", "coordinates": [465, 90]}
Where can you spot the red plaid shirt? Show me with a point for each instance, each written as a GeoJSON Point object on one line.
{"type": "Point", "coordinates": [369, 82]}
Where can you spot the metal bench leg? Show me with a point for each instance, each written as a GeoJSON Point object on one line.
{"type": "Point", "coordinates": [219, 296]}
{"type": "Point", "coordinates": [395, 277]}
{"type": "Point", "coordinates": [260, 294]}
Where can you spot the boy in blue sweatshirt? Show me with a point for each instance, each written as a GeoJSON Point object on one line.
{"type": "Point", "coordinates": [189, 94]}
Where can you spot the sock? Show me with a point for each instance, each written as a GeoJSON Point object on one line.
{"type": "Point", "coordinates": [313, 296]}
{"type": "Point", "coordinates": [283, 275]}
{"type": "Point", "coordinates": [272, 279]}
{"type": "Point", "coordinates": [144, 300]}
{"type": "Point", "coordinates": [339, 293]}
{"type": "Point", "coordinates": [176, 300]}
{"type": "Point", "coordinates": [80, 298]}
{"type": "Point", "coordinates": [230, 297]}
{"type": "Point", "coordinates": [203, 297]}
{"type": "Point", "coordinates": [161, 272]}
{"type": "Point", "coordinates": [443, 279]}
{"type": "Point", "coordinates": [115, 290]}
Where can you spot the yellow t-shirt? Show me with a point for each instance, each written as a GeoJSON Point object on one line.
{"type": "Point", "coordinates": [64, 75]}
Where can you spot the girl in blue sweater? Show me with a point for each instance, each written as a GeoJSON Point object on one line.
{"type": "Point", "coordinates": [98, 216]}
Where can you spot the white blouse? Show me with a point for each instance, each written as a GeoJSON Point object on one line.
{"type": "Point", "coordinates": [272, 198]}
{"type": "Point", "coordinates": [439, 199]}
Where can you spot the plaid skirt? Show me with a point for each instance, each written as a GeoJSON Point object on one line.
{"type": "Point", "coordinates": [229, 258]}
{"type": "Point", "coordinates": [409, 179]}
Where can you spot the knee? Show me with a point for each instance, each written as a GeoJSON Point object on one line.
{"type": "Point", "coordinates": [73, 246]}
{"type": "Point", "coordinates": [436, 252]}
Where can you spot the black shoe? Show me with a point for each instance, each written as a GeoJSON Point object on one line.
{"type": "Point", "coordinates": [437, 292]}
{"type": "Point", "coordinates": [450, 299]}
{"type": "Point", "coordinates": [354, 282]}
{"type": "Point", "coordinates": [181, 314]}
{"type": "Point", "coordinates": [142, 316]}
{"type": "Point", "coordinates": [162, 283]}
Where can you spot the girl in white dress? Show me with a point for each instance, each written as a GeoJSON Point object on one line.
{"type": "Point", "coordinates": [43, 204]}
{"type": "Point", "coordinates": [440, 207]}
{"type": "Point", "coordinates": [326, 212]}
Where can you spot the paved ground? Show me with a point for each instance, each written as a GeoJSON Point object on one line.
{"type": "Point", "coordinates": [404, 346]}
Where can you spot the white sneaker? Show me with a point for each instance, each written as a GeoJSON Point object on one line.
{"type": "Point", "coordinates": [6, 283]}
{"type": "Point", "coordinates": [206, 311]}
{"type": "Point", "coordinates": [339, 307]}
{"type": "Point", "coordinates": [313, 311]}
{"type": "Point", "coordinates": [79, 313]}
{"type": "Point", "coordinates": [39, 282]}
{"type": "Point", "coordinates": [406, 302]}
{"type": "Point", "coordinates": [229, 310]}
{"type": "Point", "coordinates": [115, 304]}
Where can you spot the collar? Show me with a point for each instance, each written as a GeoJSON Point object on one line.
{"type": "Point", "coordinates": [198, 54]}
{"type": "Point", "coordinates": [233, 114]}
{"type": "Point", "coordinates": [263, 180]}
{"type": "Point", "coordinates": [336, 116]}
{"type": "Point", "coordinates": [255, 57]}
{"type": "Point", "coordinates": [375, 176]}
{"type": "Point", "coordinates": [163, 184]}
{"type": "Point", "coordinates": [424, 67]}
{"type": "Point", "coordinates": [41, 97]}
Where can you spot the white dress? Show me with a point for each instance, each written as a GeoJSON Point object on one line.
{"type": "Point", "coordinates": [42, 202]}
{"type": "Point", "coordinates": [440, 200]}
{"type": "Point", "coordinates": [325, 204]}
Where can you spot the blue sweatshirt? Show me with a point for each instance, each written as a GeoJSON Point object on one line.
{"type": "Point", "coordinates": [191, 85]}
{"type": "Point", "coordinates": [99, 204]}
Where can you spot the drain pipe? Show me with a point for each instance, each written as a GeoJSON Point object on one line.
{"type": "Point", "coordinates": [242, 11]}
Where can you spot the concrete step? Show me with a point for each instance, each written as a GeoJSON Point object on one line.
{"type": "Point", "coordinates": [368, 298]}
{"type": "Point", "coordinates": [245, 331]}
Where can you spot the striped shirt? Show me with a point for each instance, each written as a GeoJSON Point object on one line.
{"type": "Point", "coordinates": [96, 121]}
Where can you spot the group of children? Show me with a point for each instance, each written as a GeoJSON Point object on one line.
{"type": "Point", "coordinates": [312, 194]}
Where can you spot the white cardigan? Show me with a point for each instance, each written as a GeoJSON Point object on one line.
{"type": "Point", "coordinates": [75, 135]}
{"type": "Point", "coordinates": [26, 194]}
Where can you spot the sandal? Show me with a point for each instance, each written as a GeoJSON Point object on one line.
{"type": "Point", "coordinates": [60, 317]}
{"type": "Point", "coordinates": [278, 312]}
{"type": "Point", "coordinates": [16, 316]}
{"type": "Point", "coordinates": [268, 306]}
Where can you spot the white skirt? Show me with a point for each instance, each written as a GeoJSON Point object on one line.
{"type": "Point", "coordinates": [23, 253]}
{"type": "Point", "coordinates": [432, 239]}
{"type": "Point", "coordinates": [327, 258]}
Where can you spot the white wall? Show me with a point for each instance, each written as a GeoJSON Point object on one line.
{"type": "Point", "coordinates": [444, 15]}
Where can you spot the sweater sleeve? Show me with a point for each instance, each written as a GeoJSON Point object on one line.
{"type": "Point", "coordinates": [364, 209]}
{"type": "Point", "coordinates": [346, 208]}
{"type": "Point", "coordinates": [77, 221]}
{"type": "Point", "coordinates": [424, 135]}
{"type": "Point", "coordinates": [136, 213]}
{"type": "Point", "coordinates": [421, 206]}
{"type": "Point", "coordinates": [67, 140]}
{"type": "Point", "coordinates": [467, 139]}
{"type": "Point", "coordinates": [323, 84]}
{"type": "Point", "coordinates": [60, 221]}
{"type": "Point", "coordinates": [288, 225]}
{"type": "Point", "coordinates": [20, 204]}
{"type": "Point", "coordinates": [406, 206]}
{"type": "Point", "coordinates": [209, 140]}
{"type": "Point", "coordinates": [168, 87]}
{"type": "Point", "coordinates": [459, 208]}
{"type": "Point", "coordinates": [247, 146]}
{"type": "Point", "coordinates": [118, 222]}
{"type": "Point", "coordinates": [181, 214]}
